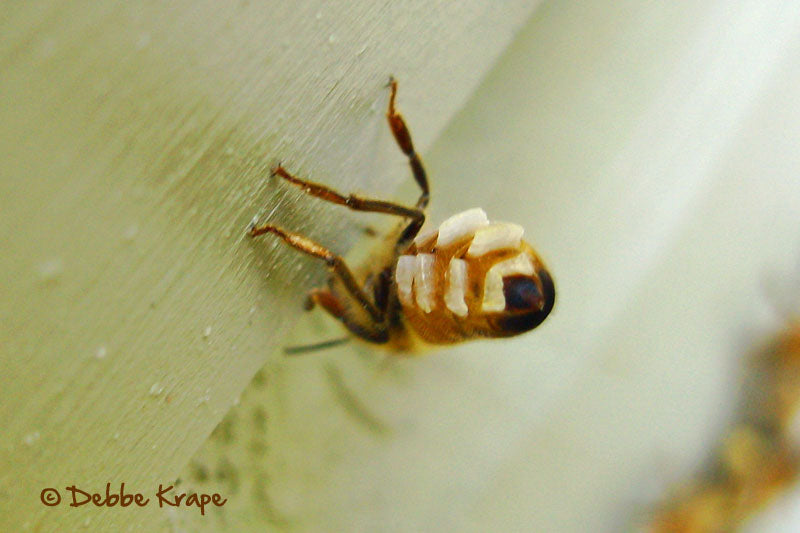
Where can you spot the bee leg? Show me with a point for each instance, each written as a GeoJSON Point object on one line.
{"type": "Point", "coordinates": [326, 300]}
{"type": "Point", "coordinates": [403, 138]}
{"type": "Point", "coordinates": [351, 201]}
{"type": "Point", "coordinates": [373, 332]}
{"type": "Point", "coordinates": [334, 262]}
{"type": "Point", "coordinates": [316, 347]}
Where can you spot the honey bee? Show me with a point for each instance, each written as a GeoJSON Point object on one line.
{"type": "Point", "coordinates": [469, 278]}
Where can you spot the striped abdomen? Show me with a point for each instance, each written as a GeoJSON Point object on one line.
{"type": "Point", "coordinates": [472, 278]}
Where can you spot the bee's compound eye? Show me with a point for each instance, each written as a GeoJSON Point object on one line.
{"type": "Point", "coordinates": [522, 293]}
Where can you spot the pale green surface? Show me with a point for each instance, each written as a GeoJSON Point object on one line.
{"type": "Point", "coordinates": [135, 141]}
{"type": "Point", "coordinates": [650, 151]}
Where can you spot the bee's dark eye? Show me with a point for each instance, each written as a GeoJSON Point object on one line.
{"type": "Point", "coordinates": [521, 293]}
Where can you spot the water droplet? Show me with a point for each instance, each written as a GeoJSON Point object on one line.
{"type": "Point", "coordinates": [142, 41]}
{"type": "Point", "coordinates": [87, 521]}
{"type": "Point", "coordinates": [332, 39]}
{"type": "Point", "coordinates": [205, 398]}
{"type": "Point", "coordinates": [31, 438]}
{"type": "Point", "coordinates": [101, 352]}
{"type": "Point", "coordinates": [207, 332]}
{"type": "Point", "coordinates": [361, 50]}
{"type": "Point", "coordinates": [318, 15]}
{"type": "Point", "coordinates": [115, 436]}
{"type": "Point", "coordinates": [51, 268]}
{"type": "Point", "coordinates": [130, 232]}
{"type": "Point", "coordinates": [156, 389]}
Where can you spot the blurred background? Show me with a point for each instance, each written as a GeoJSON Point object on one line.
{"type": "Point", "coordinates": [648, 150]}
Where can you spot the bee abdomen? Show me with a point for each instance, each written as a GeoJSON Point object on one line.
{"type": "Point", "coordinates": [437, 272]}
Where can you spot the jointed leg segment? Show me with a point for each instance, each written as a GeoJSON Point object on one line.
{"type": "Point", "coordinates": [335, 263]}
{"type": "Point", "coordinates": [327, 300]}
{"type": "Point", "coordinates": [403, 138]}
{"type": "Point", "coordinates": [356, 203]}
{"type": "Point", "coordinates": [376, 331]}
